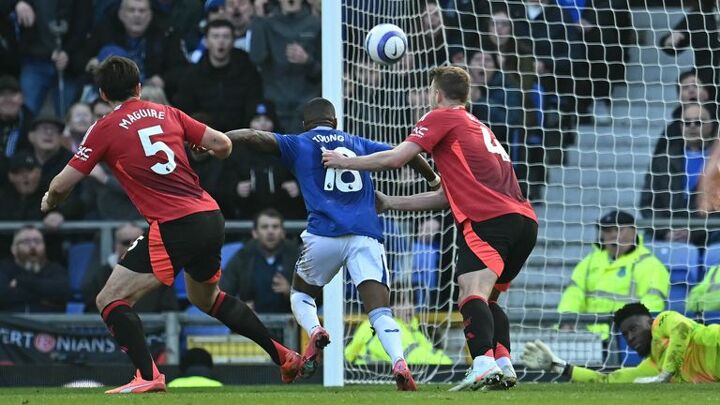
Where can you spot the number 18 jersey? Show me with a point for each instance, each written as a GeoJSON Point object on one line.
{"type": "Point", "coordinates": [477, 174]}
{"type": "Point", "coordinates": [143, 143]}
{"type": "Point", "coordinates": [339, 202]}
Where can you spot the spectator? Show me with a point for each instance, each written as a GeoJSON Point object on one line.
{"type": "Point", "coordinates": [210, 172]}
{"type": "Point", "coordinates": [10, 18]}
{"type": "Point", "coordinates": [154, 94]}
{"type": "Point", "coordinates": [196, 370]}
{"type": "Point", "coordinates": [100, 108]}
{"type": "Point", "coordinates": [315, 7]}
{"type": "Point", "coordinates": [706, 295]}
{"type": "Point", "coordinates": [286, 48]}
{"type": "Point", "coordinates": [261, 180]}
{"type": "Point", "coordinates": [78, 120]}
{"type": "Point", "coordinates": [46, 139]}
{"type": "Point", "coordinates": [45, 63]}
{"type": "Point", "coordinates": [691, 89]}
{"type": "Point", "coordinates": [28, 281]}
{"type": "Point", "coordinates": [105, 199]}
{"type": "Point", "coordinates": [15, 118]}
{"type": "Point", "coordinates": [19, 200]}
{"type": "Point", "coordinates": [620, 269]}
{"type": "Point", "coordinates": [261, 271]}
{"type": "Point", "coordinates": [496, 100]}
{"type": "Point", "coordinates": [161, 299]}
{"type": "Point", "coordinates": [670, 189]}
{"type": "Point", "coordinates": [157, 52]}
{"type": "Point", "coordinates": [181, 16]}
{"type": "Point", "coordinates": [699, 31]}
{"type": "Point", "coordinates": [224, 85]}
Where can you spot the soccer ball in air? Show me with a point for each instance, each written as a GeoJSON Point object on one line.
{"type": "Point", "coordinates": [386, 43]}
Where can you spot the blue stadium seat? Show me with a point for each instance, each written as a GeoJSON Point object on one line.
{"type": "Point", "coordinates": [682, 259]}
{"type": "Point", "coordinates": [180, 289]}
{"type": "Point", "coordinates": [712, 256]}
{"type": "Point", "coordinates": [228, 251]}
{"type": "Point", "coordinates": [79, 257]}
{"type": "Point", "coordinates": [711, 318]}
{"type": "Point", "coordinates": [676, 299]}
{"type": "Point", "coordinates": [75, 308]}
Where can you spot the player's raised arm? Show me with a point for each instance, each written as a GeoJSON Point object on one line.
{"type": "Point", "coordinates": [389, 159]}
{"type": "Point", "coordinates": [60, 188]}
{"type": "Point", "coordinates": [216, 142]}
{"type": "Point", "coordinates": [257, 140]}
{"type": "Point", "coordinates": [430, 201]}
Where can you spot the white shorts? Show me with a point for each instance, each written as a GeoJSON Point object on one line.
{"type": "Point", "coordinates": [323, 256]}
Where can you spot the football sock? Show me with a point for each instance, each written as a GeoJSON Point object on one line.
{"type": "Point", "coordinates": [478, 322]}
{"type": "Point", "coordinates": [501, 337]}
{"type": "Point", "coordinates": [125, 326]}
{"type": "Point", "coordinates": [237, 316]}
{"type": "Point", "coordinates": [305, 310]}
{"type": "Point", "coordinates": [387, 331]}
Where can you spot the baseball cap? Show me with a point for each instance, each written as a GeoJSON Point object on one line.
{"type": "Point", "coordinates": [22, 160]}
{"type": "Point", "coordinates": [8, 82]}
{"type": "Point", "coordinates": [616, 218]}
{"type": "Point", "coordinates": [213, 4]}
{"type": "Point", "coordinates": [47, 119]}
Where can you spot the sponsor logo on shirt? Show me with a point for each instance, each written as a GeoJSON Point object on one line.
{"type": "Point", "coordinates": [83, 153]}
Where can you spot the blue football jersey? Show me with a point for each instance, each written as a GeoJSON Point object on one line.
{"type": "Point", "coordinates": [339, 202]}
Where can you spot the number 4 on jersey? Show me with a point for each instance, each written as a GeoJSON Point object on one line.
{"type": "Point", "coordinates": [333, 177]}
{"type": "Point", "coordinates": [492, 145]}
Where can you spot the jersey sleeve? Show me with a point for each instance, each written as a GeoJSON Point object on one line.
{"type": "Point", "coordinates": [194, 129]}
{"type": "Point", "coordinates": [91, 150]}
{"type": "Point", "coordinates": [289, 148]}
{"type": "Point", "coordinates": [372, 147]}
{"type": "Point", "coordinates": [676, 329]}
{"type": "Point", "coordinates": [430, 130]}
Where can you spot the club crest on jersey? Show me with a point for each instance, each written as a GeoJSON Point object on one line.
{"type": "Point", "coordinates": [83, 153]}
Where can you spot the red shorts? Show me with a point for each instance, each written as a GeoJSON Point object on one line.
{"type": "Point", "coordinates": [501, 244]}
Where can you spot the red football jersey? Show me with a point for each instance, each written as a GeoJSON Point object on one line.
{"type": "Point", "coordinates": [477, 174]}
{"type": "Point", "coordinates": [144, 145]}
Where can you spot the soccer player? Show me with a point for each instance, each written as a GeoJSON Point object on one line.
{"type": "Point", "coordinates": [498, 225]}
{"type": "Point", "coordinates": [343, 228]}
{"type": "Point", "coordinates": [144, 145]}
{"type": "Point", "coordinates": [675, 349]}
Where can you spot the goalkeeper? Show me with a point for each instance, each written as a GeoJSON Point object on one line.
{"type": "Point", "coordinates": [674, 348]}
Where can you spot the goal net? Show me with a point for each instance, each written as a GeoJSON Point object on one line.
{"type": "Point", "coordinates": [585, 96]}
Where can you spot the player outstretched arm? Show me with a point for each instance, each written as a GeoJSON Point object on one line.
{"type": "Point", "coordinates": [258, 140]}
{"type": "Point", "coordinates": [217, 143]}
{"type": "Point", "coordinates": [538, 356]}
{"type": "Point", "coordinates": [420, 165]}
{"type": "Point", "coordinates": [390, 159]}
{"type": "Point", "coordinates": [60, 188]}
{"type": "Point", "coordinates": [432, 200]}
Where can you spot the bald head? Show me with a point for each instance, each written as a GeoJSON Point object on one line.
{"type": "Point", "coordinates": [319, 111]}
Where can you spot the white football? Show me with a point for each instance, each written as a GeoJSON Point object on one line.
{"type": "Point", "coordinates": [386, 43]}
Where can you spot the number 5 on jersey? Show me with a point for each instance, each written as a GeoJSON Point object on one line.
{"type": "Point", "coordinates": [333, 177]}
{"type": "Point", "coordinates": [152, 149]}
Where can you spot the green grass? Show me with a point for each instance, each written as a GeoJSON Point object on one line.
{"type": "Point", "coordinates": [526, 394]}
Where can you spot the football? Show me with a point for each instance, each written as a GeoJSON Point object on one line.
{"type": "Point", "coordinates": [386, 43]}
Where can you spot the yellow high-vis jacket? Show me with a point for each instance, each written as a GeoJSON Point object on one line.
{"type": "Point", "coordinates": [706, 295]}
{"type": "Point", "coordinates": [601, 285]}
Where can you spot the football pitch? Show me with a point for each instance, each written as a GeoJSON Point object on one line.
{"type": "Point", "coordinates": [526, 394]}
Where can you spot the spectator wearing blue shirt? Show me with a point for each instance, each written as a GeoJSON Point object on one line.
{"type": "Point", "coordinates": [671, 185]}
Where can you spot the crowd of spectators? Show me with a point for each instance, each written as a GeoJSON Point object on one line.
{"type": "Point", "coordinates": [537, 69]}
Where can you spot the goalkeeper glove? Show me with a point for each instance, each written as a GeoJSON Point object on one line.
{"type": "Point", "coordinates": [538, 356]}
{"type": "Point", "coordinates": [663, 377]}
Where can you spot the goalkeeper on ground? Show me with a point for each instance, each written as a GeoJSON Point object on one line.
{"type": "Point", "coordinates": [674, 348]}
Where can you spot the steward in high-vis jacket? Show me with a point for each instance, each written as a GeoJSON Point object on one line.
{"type": "Point", "coordinates": [619, 270]}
